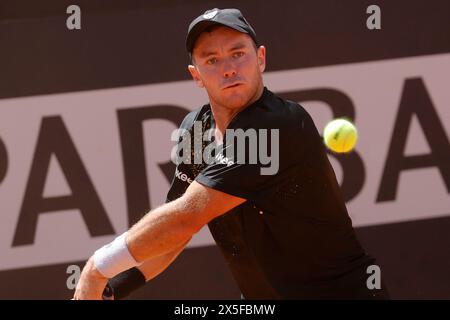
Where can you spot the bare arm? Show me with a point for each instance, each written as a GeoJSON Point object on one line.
{"type": "Point", "coordinates": [162, 233]}
{"type": "Point", "coordinates": [164, 229]}
{"type": "Point", "coordinates": [153, 267]}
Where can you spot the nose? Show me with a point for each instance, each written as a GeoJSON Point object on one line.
{"type": "Point", "coordinates": [229, 69]}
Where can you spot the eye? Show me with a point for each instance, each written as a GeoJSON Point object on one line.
{"type": "Point", "coordinates": [238, 54]}
{"type": "Point", "coordinates": [211, 61]}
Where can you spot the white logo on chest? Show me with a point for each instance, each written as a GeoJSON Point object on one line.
{"type": "Point", "coordinates": [182, 176]}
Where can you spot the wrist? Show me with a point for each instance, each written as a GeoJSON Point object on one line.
{"type": "Point", "coordinates": [124, 284]}
{"type": "Point", "coordinates": [93, 271]}
{"type": "Point", "coordinates": [114, 258]}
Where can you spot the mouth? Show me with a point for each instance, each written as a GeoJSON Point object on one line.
{"type": "Point", "coordinates": [234, 85]}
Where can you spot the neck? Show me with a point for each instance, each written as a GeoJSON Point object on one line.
{"type": "Point", "coordinates": [223, 115]}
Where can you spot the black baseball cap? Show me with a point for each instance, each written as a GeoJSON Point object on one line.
{"type": "Point", "coordinates": [231, 18]}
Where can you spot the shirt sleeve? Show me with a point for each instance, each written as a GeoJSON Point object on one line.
{"type": "Point", "coordinates": [245, 179]}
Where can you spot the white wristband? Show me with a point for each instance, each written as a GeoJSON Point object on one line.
{"type": "Point", "coordinates": [114, 257]}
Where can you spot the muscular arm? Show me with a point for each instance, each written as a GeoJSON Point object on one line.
{"type": "Point", "coordinates": [152, 267]}
{"type": "Point", "coordinates": [126, 282]}
{"type": "Point", "coordinates": [166, 228]}
{"type": "Point", "coordinates": [160, 235]}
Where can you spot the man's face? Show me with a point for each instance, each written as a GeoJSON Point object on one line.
{"type": "Point", "coordinates": [228, 66]}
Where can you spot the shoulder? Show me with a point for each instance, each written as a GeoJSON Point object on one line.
{"type": "Point", "coordinates": [295, 115]}
{"type": "Point", "coordinates": [288, 111]}
{"type": "Point", "coordinates": [275, 112]}
{"type": "Point", "coordinates": [194, 115]}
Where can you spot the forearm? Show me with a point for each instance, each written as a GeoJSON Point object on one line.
{"type": "Point", "coordinates": [162, 230]}
{"type": "Point", "coordinates": [153, 267]}
{"type": "Point", "coordinates": [126, 282]}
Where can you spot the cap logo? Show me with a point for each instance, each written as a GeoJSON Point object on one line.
{"type": "Point", "coordinates": [211, 14]}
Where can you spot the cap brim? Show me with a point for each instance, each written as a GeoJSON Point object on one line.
{"type": "Point", "coordinates": [202, 26]}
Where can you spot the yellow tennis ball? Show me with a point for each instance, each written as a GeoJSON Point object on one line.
{"type": "Point", "coordinates": [340, 135]}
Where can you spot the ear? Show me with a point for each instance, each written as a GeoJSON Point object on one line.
{"type": "Point", "coordinates": [261, 53]}
{"type": "Point", "coordinates": [195, 75]}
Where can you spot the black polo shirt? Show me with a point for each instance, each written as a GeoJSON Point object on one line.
{"type": "Point", "coordinates": [293, 237]}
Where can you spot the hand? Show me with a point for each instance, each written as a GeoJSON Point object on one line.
{"type": "Point", "coordinates": [91, 283]}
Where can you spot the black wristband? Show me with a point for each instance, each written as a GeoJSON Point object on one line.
{"type": "Point", "coordinates": [124, 283]}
